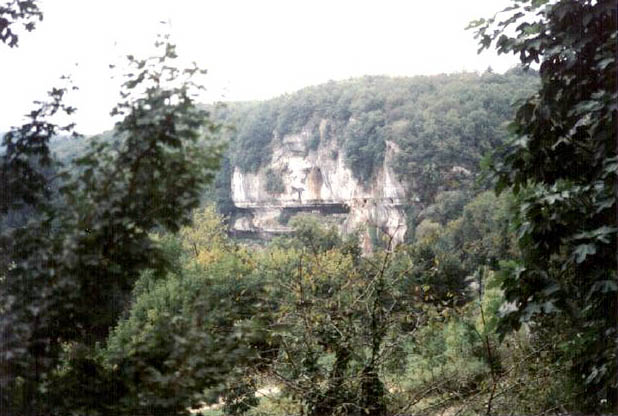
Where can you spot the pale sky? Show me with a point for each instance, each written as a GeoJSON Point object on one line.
{"type": "Point", "coordinates": [253, 49]}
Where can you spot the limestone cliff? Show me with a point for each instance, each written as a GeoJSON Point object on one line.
{"type": "Point", "coordinates": [319, 181]}
{"type": "Point", "coordinates": [340, 150]}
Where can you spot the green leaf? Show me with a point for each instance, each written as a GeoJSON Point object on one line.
{"type": "Point", "coordinates": [601, 234]}
{"type": "Point", "coordinates": [584, 250]}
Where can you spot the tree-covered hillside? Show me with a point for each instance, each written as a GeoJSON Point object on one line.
{"type": "Point", "coordinates": [442, 126]}
{"type": "Point", "coordinates": [439, 122]}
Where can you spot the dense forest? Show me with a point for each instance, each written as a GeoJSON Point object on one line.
{"type": "Point", "coordinates": [121, 291]}
{"type": "Point", "coordinates": [441, 125]}
{"type": "Point", "coordinates": [437, 116]}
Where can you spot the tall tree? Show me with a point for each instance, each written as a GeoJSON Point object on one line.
{"type": "Point", "coordinates": [67, 273]}
{"type": "Point", "coordinates": [562, 164]}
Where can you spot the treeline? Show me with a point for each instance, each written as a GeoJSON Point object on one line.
{"type": "Point", "coordinates": [442, 125]}
{"type": "Point", "coordinates": [438, 122]}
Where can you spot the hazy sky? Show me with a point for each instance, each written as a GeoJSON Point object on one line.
{"type": "Point", "coordinates": [253, 49]}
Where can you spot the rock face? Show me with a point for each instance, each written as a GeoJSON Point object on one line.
{"type": "Point", "coordinates": [318, 181]}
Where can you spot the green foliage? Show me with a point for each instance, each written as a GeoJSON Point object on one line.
{"type": "Point", "coordinates": [448, 206]}
{"type": "Point", "coordinates": [274, 184]}
{"type": "Point", "coordinates": [327, 326]}
{"type": "Point", "coordinates": [448, 355]}
{"type": "Point", "coordinates": [337, 319]}
{"type": "Point", "coordinates": [240, 398]}
{"type": "Point", "coordinates": [374, 236]}
{"type": "Point", "coordinates": [223, 185]}
{"type": "Point", "coordinates": [561, 162]}
{"type": "Point", "coordinates": [483, 233]}
{"type": "Point", "coordinates": [189, 334]}
{"type": "Point", "coordinates": [457, 362]}
{"type": "Point", "coordinates": [314, 140]}
{"type": "Point", "coordinates": [444, 256]}
{"type": "Point", "coordinates": [285, 216]}
{"type": "Point", "coordinates": [343, 324]}
{"type": "Point", "coordinates": [452, 123]}
{"type": "Point", "coordinates": [439, 122]}
{"type": "Point", "coordinates": [433, 306]}
{"type": "Point", "coordinates": [309, 234]}
{"type": "Point", "coordinates": [184, 334]}
{"type": "Point", "coordinates": [252, 143]}
{"type": "Point", "coordinates": [365, 144]}
{"type": "Point", "coordinates": [89, 239]}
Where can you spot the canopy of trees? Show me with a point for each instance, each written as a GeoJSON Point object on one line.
{"type": "Point", "coordinates": [79, 235]}
{"type": "Point", "coordinates": [119, 294]}
{"type": "Point", "coordinates": [438, 122]}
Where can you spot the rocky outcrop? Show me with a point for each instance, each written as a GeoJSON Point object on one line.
{"type": "Point", "coordinates": [319, 181]}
